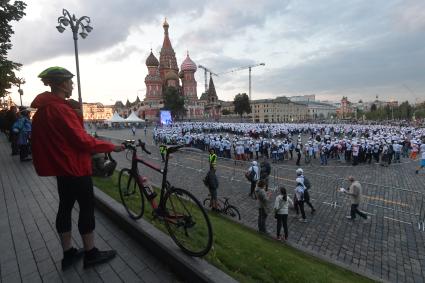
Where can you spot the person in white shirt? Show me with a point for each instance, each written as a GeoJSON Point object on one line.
{"type": "Point", "coordinates": [281, 213]}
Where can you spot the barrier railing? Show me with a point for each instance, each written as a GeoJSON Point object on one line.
{"type": "Point", "coordinates": [391, 203]}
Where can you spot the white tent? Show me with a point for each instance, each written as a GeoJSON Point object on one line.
{"type": "Point", "coordinates": [133, 118]}
{"type": "Point", "coordinates": [116, 118]}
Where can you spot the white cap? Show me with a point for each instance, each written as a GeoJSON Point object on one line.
{"type": "Point", "coordinates": [299, 171]}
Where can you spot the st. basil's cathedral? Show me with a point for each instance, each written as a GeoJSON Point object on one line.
{"type": "Point", "coordinates": [165, 73]}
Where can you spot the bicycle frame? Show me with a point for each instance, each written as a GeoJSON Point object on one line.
{"type": "Point", "coordinates": [142, 180]}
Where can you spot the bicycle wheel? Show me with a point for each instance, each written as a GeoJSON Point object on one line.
{"type": "Point", "coordinates": [207, 203]}
{"type": "Point", "coordinates": [131, 195]}
{"type": "Point", "coordinates": [233, 212]}
{"type": "Point", "coordinates": [187, 222]}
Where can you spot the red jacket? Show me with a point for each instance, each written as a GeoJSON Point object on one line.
{"type": "Point", "coordinates": [60, 145]}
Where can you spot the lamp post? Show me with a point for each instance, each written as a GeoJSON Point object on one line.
{"type": "Point", "coordinates": [19, 82]}
{"type": "Point", "coordinates": [75, 24]}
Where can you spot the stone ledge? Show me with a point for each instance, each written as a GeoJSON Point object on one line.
{"type": "Point", "coordinates": [160, 244]}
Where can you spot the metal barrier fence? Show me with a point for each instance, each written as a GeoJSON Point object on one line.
{"type": "Point", "coordinates": [391, 203]}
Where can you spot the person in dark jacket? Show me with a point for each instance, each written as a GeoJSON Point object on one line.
{"type": "Point", "coordinates": [212, 187]}
{"type": "Point", "coordinates": [11, 117]}
{"type": "Point", "coordinates": [22, 129]}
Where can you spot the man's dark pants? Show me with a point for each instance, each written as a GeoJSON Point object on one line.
{"type": "Point", "coordinates": [262, 216]}
{"type": "Point", "coordinates": [355, 210]}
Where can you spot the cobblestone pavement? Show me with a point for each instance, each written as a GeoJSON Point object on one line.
{"type": "Point", "coordinates": [29, 245]}
{"type": "Point", "coordinates": [390, 246]}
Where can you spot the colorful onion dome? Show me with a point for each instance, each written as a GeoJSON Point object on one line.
{"type": "Point", "coordinates": [151, 61]}
{"type": "Point", "coordinates": [188, 64]}
{"type": "Point", "coordinates": [171, 76]}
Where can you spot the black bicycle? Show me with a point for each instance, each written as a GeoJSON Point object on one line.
{"type": "Point", "coordinates": [184, 217]}
{"type": "Point", "coordinates": [224, 207]}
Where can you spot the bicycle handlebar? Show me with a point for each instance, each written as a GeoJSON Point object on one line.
{"type": "Point", "coordinates": [129, 144]}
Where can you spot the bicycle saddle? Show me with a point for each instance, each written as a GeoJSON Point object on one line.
{"type": "Point", "coordinates": [173, 148]}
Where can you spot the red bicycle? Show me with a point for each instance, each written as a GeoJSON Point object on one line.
{"type": "Point", "coordinates": [184, 217]}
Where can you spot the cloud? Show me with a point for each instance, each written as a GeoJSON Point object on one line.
{"type": "Point", "coordinates": [112, 22]}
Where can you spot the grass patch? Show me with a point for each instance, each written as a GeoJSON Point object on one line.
{"type": "Point", "coordinates": [249, 257]}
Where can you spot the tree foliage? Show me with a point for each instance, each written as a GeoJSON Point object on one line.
{"type": "Point", "coordinates": [404, 111]}
{"type": "Point", "coordinates": [241, 103]}
{"type": "Point", "coordinates": [8, 12]}
{"type": "Point", "coordinates": [174, 102]}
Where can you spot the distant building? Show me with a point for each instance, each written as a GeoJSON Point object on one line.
{"type": "Point", "coordinates": [320, 110]}
{"type": "Point", "coordinates": [346, 109]}
{"type": "Point", "coordinates": [278, 110]}
{"type": "Point", "coordinates": [303, 98]}
{"type": "Point", "coordinates": [96, 112]}
{"type": "Point", "coordinates": [211, 103]}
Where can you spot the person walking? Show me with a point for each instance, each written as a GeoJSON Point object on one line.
{"type": "Point", "coordinates": [299, 197]}
{"type": "Point", "coordinates": [253, 174]}
{"type": "Point", "coordinates": [281, 213]}
{"type": "Point", "coordinates": [355, 192]}
{"type": "Point", "coordinates": [263, 198]}
{"type": "Point", "coordinates": [307, 187]}
{"type": "Point", "coordinates": [61, 147]}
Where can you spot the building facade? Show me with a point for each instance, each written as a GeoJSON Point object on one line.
{"type": "Point", "coordinates": [320, 110]}
{"type": "Point", "coordinates": [96, 112]}
{"type": "Point", "coordinates": [278, 110]}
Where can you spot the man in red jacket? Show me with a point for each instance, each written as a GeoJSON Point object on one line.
{"type": "Point", "coordinates": [62, 148]}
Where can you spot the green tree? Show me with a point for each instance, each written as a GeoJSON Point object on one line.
{"type": "Point", "coordinates": [241, 103]}
{"type": "Point", "coordinates": [225, 112]}
{"type": "Point", "coordinates": [174, 102]}
{"type": "Point", "coordinates": [373, 107]}
{"type": "Point", "coordinates": [8, 12]}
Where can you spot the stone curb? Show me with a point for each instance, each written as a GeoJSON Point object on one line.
{"type": "Point", "coordinates": [160, 245]}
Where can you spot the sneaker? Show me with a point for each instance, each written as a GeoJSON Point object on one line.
{"type": "Point", "coordinates": [303, 220]}
{"type": "Point", "coordinates": [278, 238]}
{"type": "Point", "coordinates": [349, 217]}
{"type": "Point", "coordinates": [94, 256]}
{"type": "Point", "coordinates": [71, 256]}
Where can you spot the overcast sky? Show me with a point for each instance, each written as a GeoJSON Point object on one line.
{"type": "Point", "coordinates": [329, 48]}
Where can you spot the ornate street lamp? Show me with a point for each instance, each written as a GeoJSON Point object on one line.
{"type": "Point", "coordinates": [75, 24]}
{"type": "Point", "coordinates": [19, 82]}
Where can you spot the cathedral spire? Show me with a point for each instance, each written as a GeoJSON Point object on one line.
{"type": "Point", "coordinates": [165, 25]}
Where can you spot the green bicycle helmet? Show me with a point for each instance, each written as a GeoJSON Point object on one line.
{"type": "Point", "coordinates": [55, 75]}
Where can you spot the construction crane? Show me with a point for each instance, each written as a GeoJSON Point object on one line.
{"type": "Point", "coordinates": [243, 68]}
{"type": "Point", "coordinates": [206, 71]}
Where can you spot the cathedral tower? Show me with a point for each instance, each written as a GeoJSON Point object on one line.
{"type": "Point", "coordinates": [188, 69]}
{"type": "Point", "coordinates": [167, 58]}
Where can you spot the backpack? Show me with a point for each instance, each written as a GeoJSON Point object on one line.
{"type": "Point", "coordinates": [250, 175]}
{"type": "Point", "coordinates": [205, 181]}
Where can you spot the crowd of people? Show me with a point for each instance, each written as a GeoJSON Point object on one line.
{"type": "Point", "coordinates": [279, 142]}
{"type": "Point", "coordinates": [15, 123]}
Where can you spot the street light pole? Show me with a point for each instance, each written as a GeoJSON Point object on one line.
{"type": "Point", "coordinates": [75, 24]}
